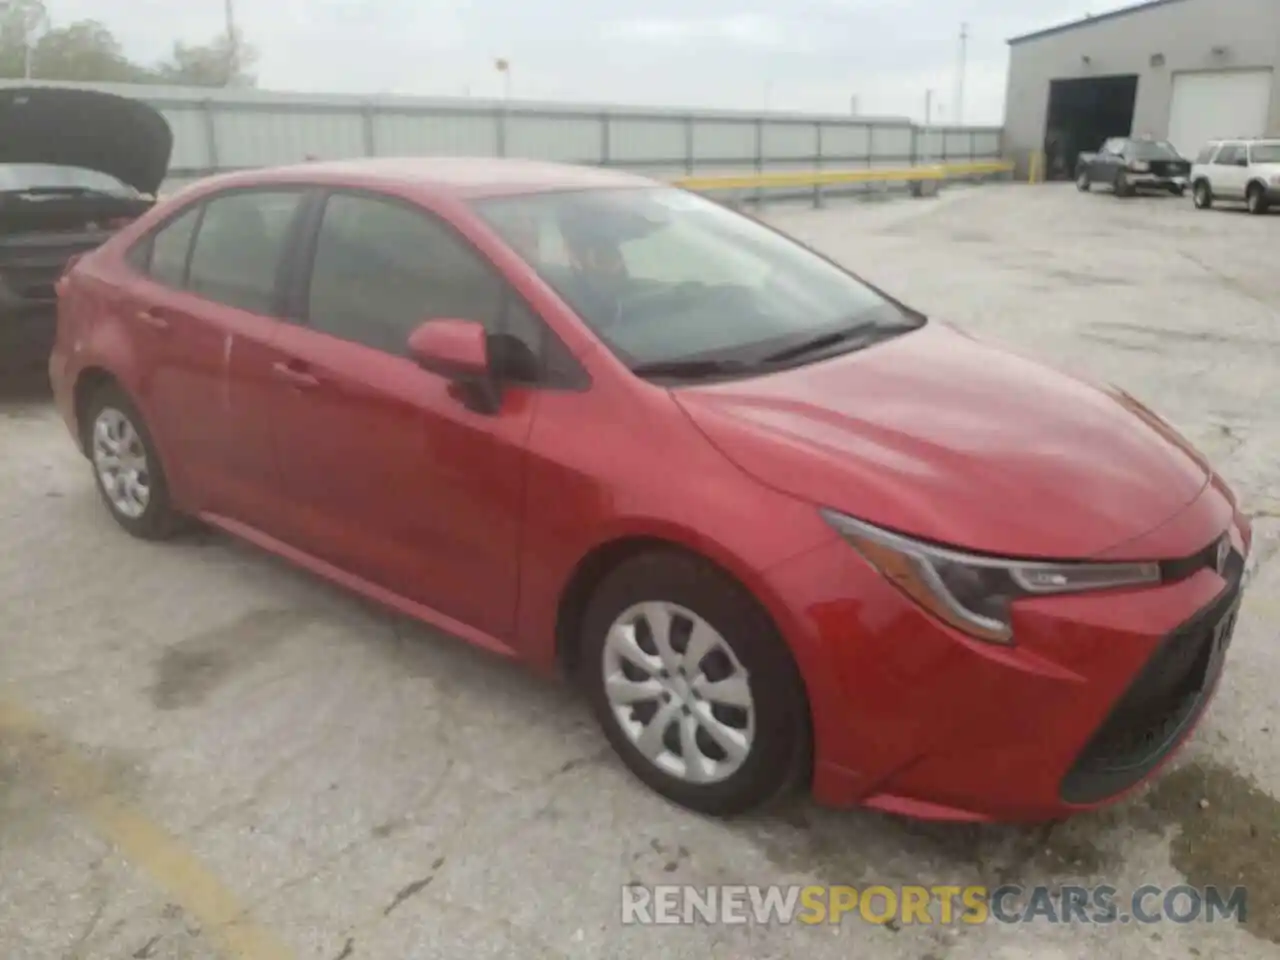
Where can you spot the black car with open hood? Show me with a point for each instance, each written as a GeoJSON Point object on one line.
{"type": "Point", "coordinates": [75, 165]}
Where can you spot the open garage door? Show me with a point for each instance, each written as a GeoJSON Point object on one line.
{"type": "Point", "coordinates": [1218, 104]}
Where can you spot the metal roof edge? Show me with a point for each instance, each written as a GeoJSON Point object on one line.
{"type": "Point", "coordinates": [1090, 20]}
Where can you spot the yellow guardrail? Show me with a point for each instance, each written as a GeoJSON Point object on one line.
{"type": "Point", "coordinates": [826, 178]}
{"type": "Point", "coordinates": [823, 178]}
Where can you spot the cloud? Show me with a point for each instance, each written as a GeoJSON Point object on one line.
{"type": "Point", "coordinates": [809, 55]}
{"type": "Point", "coordinates": [747, 31]}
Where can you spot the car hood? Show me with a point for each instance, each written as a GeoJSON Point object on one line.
{"type": "Point", "coordinates": [128, 139]}
{"type": "Point", "coordinates": [939, 436]}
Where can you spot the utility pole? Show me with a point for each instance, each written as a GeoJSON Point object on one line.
{"type": "Point", "coordinates": [31, 26]}
{"type": "Point", "coordinates": [853, 105]}
{"type": "Point", "coordinates": [928, 121]}
{"type": "Point", "coordinates": [229, 16]}
{"type": "Point", "coordinates": [503, 66]}
{"type": "Point", "coordinates": [960, 71]}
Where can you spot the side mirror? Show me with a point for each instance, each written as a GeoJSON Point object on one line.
{"type": "Point", "coordinates": [458, 350]}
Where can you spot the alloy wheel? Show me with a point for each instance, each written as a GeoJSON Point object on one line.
{"type": "Point", "coordinates": [678, 692]}
{"type": "Point", "coordinates": [120, 460]}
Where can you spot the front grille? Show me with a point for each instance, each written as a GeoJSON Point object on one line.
{"type": "Point", "coordinates": [1160, 704]}
{"type": "Point", "coordinates": [1169, 168]}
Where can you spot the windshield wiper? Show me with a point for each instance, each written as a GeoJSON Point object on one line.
{"type": "Point", "coordinates": [692, 369]}
{"type": "Point", "coordinates": [819, 342]}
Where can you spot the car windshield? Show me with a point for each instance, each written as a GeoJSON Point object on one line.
{"type": "Point", "coordinates": [1154, 150]}
{"type": "Point", "coordinates": [19, 177]}
{"type": "Point", "coordinates": [668, 279]}
{"type": "Point", "coordinates": [1265, 153]}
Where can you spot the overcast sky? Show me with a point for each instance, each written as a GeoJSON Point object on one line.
{"type": "Point", "coordinates": [785, 54]}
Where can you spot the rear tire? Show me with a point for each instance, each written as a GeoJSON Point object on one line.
{"type": "Point", "coordinates": [720, 724]}
{"type": "Point", "coordinates": [1256, 199]}
{"type": "Point", "coordinates": [126, 466]}
{"type": "Point", "coordinates": [1202, 195]}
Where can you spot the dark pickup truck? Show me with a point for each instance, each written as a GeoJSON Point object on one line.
{"type": "Point", "coordinates": [75, 166]}
{"type": "Point", "coordinates": [1130, 164]}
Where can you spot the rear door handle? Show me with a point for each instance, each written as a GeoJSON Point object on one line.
{"type": "Point", "coordinates": [152, 319]}
{"type": "Point", "coordinates": [294, 375]}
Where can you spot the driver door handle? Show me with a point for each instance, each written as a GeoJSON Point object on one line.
{"type": "Point", "coordinates": [294, 374]}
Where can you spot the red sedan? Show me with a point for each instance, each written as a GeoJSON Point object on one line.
{"type": "Point", "coordinates": [781, 527]}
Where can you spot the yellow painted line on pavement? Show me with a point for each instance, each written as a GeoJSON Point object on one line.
{"type": "Point", "coordinates": [70, 775]}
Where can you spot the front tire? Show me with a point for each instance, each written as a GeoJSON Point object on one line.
{"type": "Point", "coordinates": [1122, 187]}
{"type": "Point", "coordinates": [693, 686]}
{"type": "Point", "coordinates": [126, 466]}
{"type": "Point", "coordinates": [1083, 183]}
{"type": "Point", "coordinates": [1179, 190]}
{"type": "Point", "coordinates": [1256, 199]}
{"type": "Point", "coordinates": [1202, 195]}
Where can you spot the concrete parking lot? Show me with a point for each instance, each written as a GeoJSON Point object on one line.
{"type": "Point", "coordinates": [204, 753]}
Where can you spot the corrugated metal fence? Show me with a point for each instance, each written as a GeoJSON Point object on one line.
{"type": "Point", "coordinates": [221, 130]}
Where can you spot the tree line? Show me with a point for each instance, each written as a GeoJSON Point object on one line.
{"type": "Point", "coordinates": [88, 52]}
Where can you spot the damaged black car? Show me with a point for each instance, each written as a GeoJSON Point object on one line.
{"type": "Point", "coordinates": [75, 166]}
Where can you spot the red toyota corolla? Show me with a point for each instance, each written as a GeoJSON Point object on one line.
{"type": "Point", "coordinates": [780, 526]}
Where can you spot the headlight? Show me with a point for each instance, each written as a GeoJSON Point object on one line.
{"type": "Point", "coordinates": [973, 593]}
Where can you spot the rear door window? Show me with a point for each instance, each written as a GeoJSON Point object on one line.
{"type": "Point", "coordinates": [240, 247]}
{"type": "Point", "coordinates": [169, 248]}
{"type": "Point", "coordinates": [1264, 153]}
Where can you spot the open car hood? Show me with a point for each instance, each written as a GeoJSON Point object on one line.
{"type": "Point", "coordinates": [127, 139]}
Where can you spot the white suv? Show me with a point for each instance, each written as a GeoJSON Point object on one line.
{"type": "Point", "coordinates": [1238, 171]}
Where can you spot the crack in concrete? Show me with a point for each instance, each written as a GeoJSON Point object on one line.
{"type": "Point", "coordinates": [414, 888]}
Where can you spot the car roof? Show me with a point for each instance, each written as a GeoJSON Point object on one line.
{"type": "Point", "coordinates": [463, 177]}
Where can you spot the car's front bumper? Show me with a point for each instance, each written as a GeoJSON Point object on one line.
{"type": "Point", "coordinates": [1155, 181]}
{"type": "Point", "coordinates": [911, 717]}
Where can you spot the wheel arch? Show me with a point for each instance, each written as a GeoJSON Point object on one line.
{"type": "Point", "coordinates": [88, 382]}
{"type": "Point", "coordinates": [606, 556]}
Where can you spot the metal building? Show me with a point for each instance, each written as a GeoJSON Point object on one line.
{"type": "Point", "coordinates": [1184, 70]}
